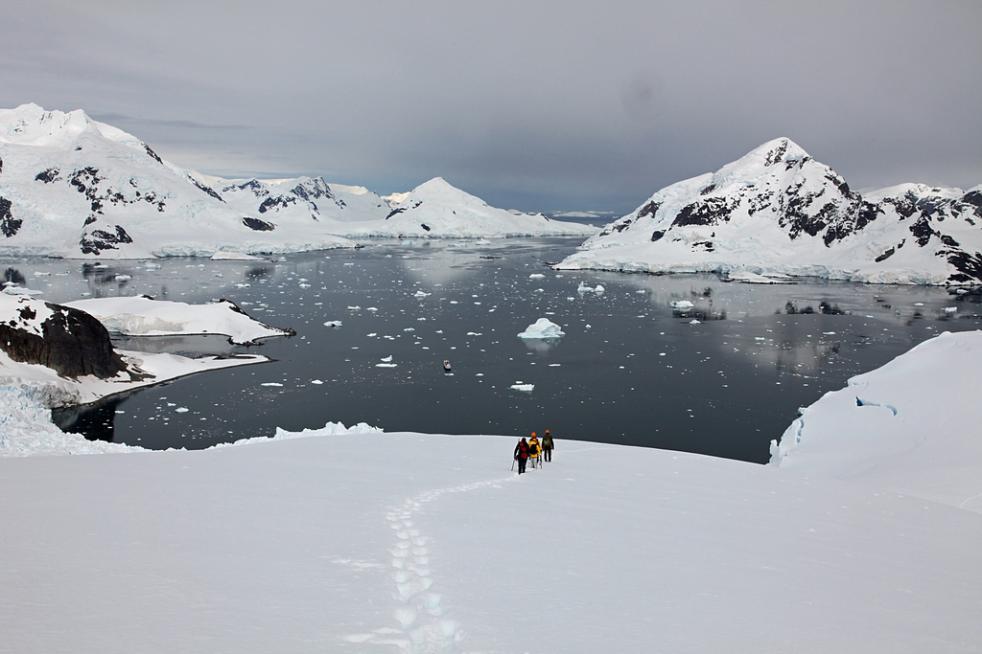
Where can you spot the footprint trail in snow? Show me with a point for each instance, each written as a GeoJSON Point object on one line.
{"type": "Point", "coordinates": [422, 623]}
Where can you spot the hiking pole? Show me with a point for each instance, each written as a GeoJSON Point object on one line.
{"type": "Point", "coordinates": [513, 465]}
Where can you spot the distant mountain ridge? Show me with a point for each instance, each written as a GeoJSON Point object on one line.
{"type": "Point", "coordinates": [777, 210]}
{"type": "Point", "coordinates": [71, 186]}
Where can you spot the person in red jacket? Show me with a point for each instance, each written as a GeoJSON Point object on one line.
{"type": "Point", "coordinates": [522, 454]}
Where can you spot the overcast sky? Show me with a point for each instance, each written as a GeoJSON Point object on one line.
{"type": "Point", "coordinates": [532, 105]}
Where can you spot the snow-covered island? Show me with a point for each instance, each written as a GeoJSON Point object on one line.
{"type": "Point", "coordinates": [778, 212]}
{"type": "Point", "coordinates": [71, 186]}
{"type": "Point", "coordinates": [856, 542]}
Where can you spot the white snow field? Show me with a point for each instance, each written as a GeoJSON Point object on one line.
{"type": "Point", "coordinates": [139, 315]}
{"type": "Point", "coordinates": [416, 543]}
{"type": "Point", "coordinates": [913, 426]}
{"type": "Point", "coordinates": [777, 211]}
{"type": "Point", "coordinates": [357, 541]}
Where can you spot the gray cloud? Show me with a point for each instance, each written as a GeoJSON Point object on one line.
{"type": "Point", "coordinates": [529, 104]}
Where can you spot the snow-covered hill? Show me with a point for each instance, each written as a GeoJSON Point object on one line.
{"type": "Point", "coordinates": [779, 211]}
{"type": "Point", "coordinates": [72, 186]}
{"type": "Point", "coordinates": [437, 209]}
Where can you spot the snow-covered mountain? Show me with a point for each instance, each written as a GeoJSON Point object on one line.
{"type": "Point", "coordinates": [301, 201]}
{"type": "Point", "coordinates": [434, 209]}
{"type": "Point", "coordinates": [74, 187]}
{"type": "Point", "coordinates": [438, 209]}
{"type": "Point", "coordinates": [779, 211]}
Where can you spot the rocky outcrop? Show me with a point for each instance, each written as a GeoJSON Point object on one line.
{"type": "Point", "coordinates": [69, 341]}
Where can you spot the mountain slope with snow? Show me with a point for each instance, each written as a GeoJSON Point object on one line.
{"type": "Point", "coordinates": [72, 186]}
{"type": "Point", "coordinates": [779, 211]}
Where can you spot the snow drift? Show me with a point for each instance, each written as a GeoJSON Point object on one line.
{"type": "Point", "coordinates": [912, 426]}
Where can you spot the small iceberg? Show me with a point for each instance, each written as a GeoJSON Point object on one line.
{"type": "Point", "coordinates": [682, 305]}
{"type": "Point", "coordinates": [583, 288]}
{"type": "Point", "coordinates": [542, 328]}
{"type": "Point", "coordinates": [523, 388]}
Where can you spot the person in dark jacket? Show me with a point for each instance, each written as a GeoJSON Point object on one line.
{"type": "Point", "coordinates": [547, 445]}
{"type": "Point", "coordinates": [522, 454]}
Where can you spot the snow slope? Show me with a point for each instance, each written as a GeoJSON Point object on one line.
{"type": "Point", "coordinates": [779, 211]}
{"type": "Point", "coordinates": [72, 186]}
{"type": "Point", "coordinates": [913, 426]}
{"type": "Point", "coordinates": [143, 316]}
{"type": "Point", "coordinates": [307, 545]}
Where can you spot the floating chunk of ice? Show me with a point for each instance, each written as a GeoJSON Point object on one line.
{"type": "Point", "coordinates": [542, 328]}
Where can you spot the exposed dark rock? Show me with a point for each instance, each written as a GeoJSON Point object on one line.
{"type": "Point", "coordinates": [99, 240]}
{"type": "Point", "coordinates": [969, 267]}
{"type": "Point", "coordinates": [395, 211]}
{"type": "Point", "coordinates": [425, 227]}
{"type": "Point", "coordinates": [886, 255]}
{"type": "Point", "coordinates": [706, 190]}
{"type": "Point", "coordinates": [973, 198]}
{"type": "Point", "coordinates": [905, 205]}
{"type": "Point", "coordinates": [47, 176]}
{"type": "Point", "coordinates": [73, 343]}
{"type": "Point", "coordinates": [649, 209]}
{"type": "Point", "coordinates": [922, 231]}
{"type": "Point", "coordinates": [153, 155]}
{"type": "Point", "coordinates": [950, 242]}
{"type": "Point", "coordinates": [257, 224]}
{"type": "Point", "coordinates": [656, 235]}
{"type": "Point", "coordinates": [277, 202]}
{"type": "Point", "coordinates": [8, 224]}
{"type": "Point", "coordinates": [710, 211]}
{"type": "Point", "coordinates": [777, 153]}
{"type": "Point", "coordinates": [206, 189]}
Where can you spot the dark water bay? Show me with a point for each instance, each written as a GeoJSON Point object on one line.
{"type": "Point", "coordinates": [722, 378]}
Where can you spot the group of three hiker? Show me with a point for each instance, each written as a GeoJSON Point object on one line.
{"type": "Point", "coordinates": [532, 449]}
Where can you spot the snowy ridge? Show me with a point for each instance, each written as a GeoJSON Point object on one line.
{"type": "Point", "coordinates": [778, 211]}
{"type": "Point", "coordinates": [911, 426]}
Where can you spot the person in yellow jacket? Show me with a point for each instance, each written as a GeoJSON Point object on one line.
{"type": "Point", "coordinates": [534, 450]}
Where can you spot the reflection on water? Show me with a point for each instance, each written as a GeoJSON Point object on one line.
{"type": "Point", "coordinates": [637, 365]}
